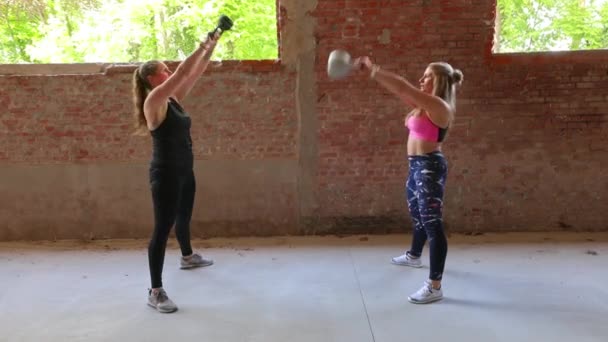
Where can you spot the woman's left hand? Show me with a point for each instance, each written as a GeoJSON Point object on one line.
{"type": "Point", "coordinates": [363, 64]}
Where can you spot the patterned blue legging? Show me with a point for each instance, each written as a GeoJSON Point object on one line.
{"type": "Point", "coordinates": [425, 187]}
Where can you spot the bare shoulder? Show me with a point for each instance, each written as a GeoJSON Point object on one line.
{"type": "Point", "coordinates": [155, 114]}
{"type": "Point", "coordinates": [441, 114]}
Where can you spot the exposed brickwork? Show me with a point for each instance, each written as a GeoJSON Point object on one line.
{"type": "Point", "coordinates": [527, 151]}
{"type": "Point", "coordinates": [239, 110]}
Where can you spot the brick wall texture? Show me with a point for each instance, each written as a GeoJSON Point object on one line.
{"type": "Point", "coordinates": [527, 150]}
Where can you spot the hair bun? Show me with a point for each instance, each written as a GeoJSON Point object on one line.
{"type": "Point", "coordinates": [457, 76]}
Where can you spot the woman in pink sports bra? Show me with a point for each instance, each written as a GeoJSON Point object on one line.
{"type": "Point", "coordinates": [434, 105]}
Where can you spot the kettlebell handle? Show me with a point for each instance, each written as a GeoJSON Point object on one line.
{"type": "Point", "coordinates": [223, 24]}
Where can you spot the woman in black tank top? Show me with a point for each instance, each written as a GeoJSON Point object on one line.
{"type": "Point", "coordinates": [157, 93]}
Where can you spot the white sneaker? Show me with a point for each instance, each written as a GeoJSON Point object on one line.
{"type": "Point", "coordinates": [407, 260]}
{"type": "Point", "coordinates": [161, 302]}
{"type": "Point", "coordinates": [426, 294]}
{"type": "Point", "coordinates": [194, 260]}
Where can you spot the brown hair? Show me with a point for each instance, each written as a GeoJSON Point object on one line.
{"type": "Point", "coordinates": [141, 87]}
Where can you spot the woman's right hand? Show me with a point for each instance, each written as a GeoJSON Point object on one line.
{"type": "Point", "coordinates": [211, 41]}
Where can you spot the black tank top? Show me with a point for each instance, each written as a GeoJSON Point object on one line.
{"type": "Point", "coordinates": [172, 144]}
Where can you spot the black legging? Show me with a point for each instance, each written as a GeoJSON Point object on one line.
{"type": "Point", "coordinates": [173, 198]}
{"type": "Point", "coordinates": [425, 187]}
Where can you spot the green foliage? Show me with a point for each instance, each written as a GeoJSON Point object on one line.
{"type": "Point", "coordinates": [18, 29]}
{"type": "Point", "coordinates": [549, 25]}
{"type": "Point", "coordinates": [78, 31]}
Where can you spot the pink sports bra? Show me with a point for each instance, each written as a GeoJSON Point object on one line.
{"type": "Point", "coordinates": [421, 127]}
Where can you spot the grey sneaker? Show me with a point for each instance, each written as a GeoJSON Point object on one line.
{"type": "Point", "coordinates": [426, 294]}
{"type": "Point", "coordinates": [161, 302]}
{"type": "Point", "coordinates": [194, 260]}
{"type": "Point", "coordinates": [407, 260]}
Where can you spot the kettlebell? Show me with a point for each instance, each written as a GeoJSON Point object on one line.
{"type": "Point", "coordinates": [339, 64]}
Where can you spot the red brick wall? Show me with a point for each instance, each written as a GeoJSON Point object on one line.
{"type": "Point", "coordinates": [528, 149]}
{"type": "Point", "coordinates": [71, 168]}
{"type": "Point", "coordinates": [240, 111]}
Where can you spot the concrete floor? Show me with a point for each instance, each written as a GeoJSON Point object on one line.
{"type": "Point", "coordinates": [508, 287]}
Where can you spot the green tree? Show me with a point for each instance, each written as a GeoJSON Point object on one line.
{"type": "Point", "coordinates": [545, 25]}
{"type": "Point", "coordinates": [72, 31]}
{"type": "Point", "coordinates": [580, 24]}
{"type": "Point", "coordinates": [19, 28]}
{"type": "Point", "coordinates": [603, 14]}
